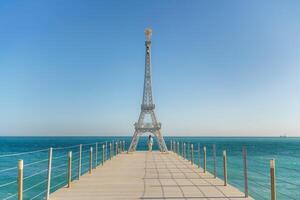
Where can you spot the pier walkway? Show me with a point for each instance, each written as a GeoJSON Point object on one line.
{"type": "Point", "coordinates": [148, 175]}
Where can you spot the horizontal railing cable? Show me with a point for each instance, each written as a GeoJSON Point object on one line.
{"type": "Point", "coordinates": [56, 176]}
{"type": "Point", "coordinates": [288, 168]}
{"type": "Point", "coordinates": [289, 155]}
{"type": "Point", "coordinates": [74, 176]}
{"type": "Point", "coordinates": [75, 153]}
{"type": "Point", "coordinates": [76, 167]}
{"type": "Point", "coordinates": [258, 194]}
{"type": "Point", "coordinates": [7, 184]}
{"type": "Point", "coordinates": [37, 162]}
{"type": "Point", "coordinates": [94, 143]}
{"type": "Point", "coordinates": [67, 147]}
{"type": "Point", "coordinates": [258, 172]}
{"type": "Point", "coordinates": [59, 166]}
{"type": "Point", "coordinates": [35, 174]}
{"type": "Point", "coordinates": [8, 169]}
{"type": "Point", "coordinates": [75, 160]}
{"type": "Point", "coordinates": [235, 164]}
{"type": "Point", "coordinates": [11, 196]}
{"type": "Point", "coordinates": [258, 163]}
{"type": "Point", "coordinates": [255, 182]}
{"type": "Point", "coordinates": [85, 163]}
{"type": "Point", "coordinates": [60, 183]}
{"type": "Point", "coordinates": [22, 153]}
{"type": "Point", "coordinates": [287, 182]}
{"type": "Point", "coordinates": [88, 150]}
{"type": "Point", "coordinates": [40, 183]}
{"type": "Point", "coordinates": [58, 157]}
{"type": "Point", "coordinates": [286, 195]}
{"type": "Point", "coordinates": [39, 194]}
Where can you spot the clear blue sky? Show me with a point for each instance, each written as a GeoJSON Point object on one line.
{"type": "Point", "coordinates": [219, 67]}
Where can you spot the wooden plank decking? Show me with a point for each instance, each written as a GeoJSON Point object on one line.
{"type": "Point", "coordinates": [148, 175]}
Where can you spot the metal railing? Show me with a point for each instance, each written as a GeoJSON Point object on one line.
{"type": "Point", "coordinates": [253, 177]}
{"type": "Point", "coordinates": [44, 171]}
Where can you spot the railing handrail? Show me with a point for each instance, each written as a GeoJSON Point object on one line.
{"type": "Point", "coordinates": [262, 184]}
{"type": "Point", "coordinates": [83, 158]}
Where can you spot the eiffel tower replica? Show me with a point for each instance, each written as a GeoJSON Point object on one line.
{"type": "Point", "coordinates": [147, 107]}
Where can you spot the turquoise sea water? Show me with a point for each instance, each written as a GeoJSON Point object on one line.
{"type": "Point", "coordinates": [286, 151]}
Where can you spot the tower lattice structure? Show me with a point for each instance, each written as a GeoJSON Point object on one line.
{"type": "Point", "coordinates": [147, 107]}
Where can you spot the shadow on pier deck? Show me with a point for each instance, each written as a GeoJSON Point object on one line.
{"type": "Point", "coordinates": [148, 175]}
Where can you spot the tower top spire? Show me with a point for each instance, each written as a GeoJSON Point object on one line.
{"type": "Point", "coordinates": [148, 33]}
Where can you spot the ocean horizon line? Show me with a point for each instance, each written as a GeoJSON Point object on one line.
{"type": "Point", "coordinates": [180, 136]}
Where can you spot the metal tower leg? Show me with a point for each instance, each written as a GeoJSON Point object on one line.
{"type": "Point", "coordinates": [134, 141]}
{"type": "Point", "coordinates": [161, 142]}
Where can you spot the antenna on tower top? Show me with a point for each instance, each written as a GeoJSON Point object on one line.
{"type": "Point", "coordinates": [148, 33]}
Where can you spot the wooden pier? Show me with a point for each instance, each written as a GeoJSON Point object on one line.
{"type": "Point", "coordinates": [148, 175]}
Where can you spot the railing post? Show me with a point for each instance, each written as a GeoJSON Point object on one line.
{"type": "Point", "coordinates": [192, 154]}
{"type": "Point", "coordinates": [178, 149]}
{"type": "Point", "coordinates": [245, 172]}
{"type": "Point", "coordinates": [171, 145]}
{"type": "Point", "coordinates": [116, 148]}
{"type": "Point", "coordinates": [121, 146]}
{"type": "Point", "coordinates": [20, 179]}
{"type": "Point", "coordinates": [69, 168]}
{"type": "Point", "coordinates": [121, 143]}
{"type": "Point", "coordinates": [189, 151]}
{"type": "Point", "coordinates": [79, 161]}
{"type": "Point", "coordinates": [110, 151]}
{"type": "Point", "coordinates": [96, 155]}
{"type": "Point", "coordinates": [106, 146]}
{"type": "Point", "coordinates": [184, 150]}
{"type": "Point", "coordinates": [103, 147]}
{"type": "Point", "coordinates": [198, 155]}
{"type": "Point", "coordinates": [204, 159]}
{"type": "Point", "coordinates": [49, 173]}
{"type": "Point", "coordinates": [113, 149]}
{"type": "Point", "coordinates": [225, 167]}
{"type": "Point", "coordinates": [215, 160]}
{"type": "Point", "coordinates": [273, 179]}
{"type": "Point", "coordinates": [91, 159]}
{"type": "Point", "coordinates": [174, 146]}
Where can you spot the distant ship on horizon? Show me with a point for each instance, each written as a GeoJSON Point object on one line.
{"type": "Point", "coordinates": [283, 136]}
